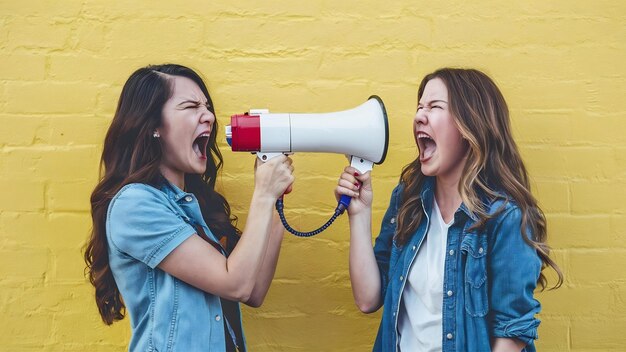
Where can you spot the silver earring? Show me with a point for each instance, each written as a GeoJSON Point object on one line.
{"type": "Point", "coordinates": [156, 134]}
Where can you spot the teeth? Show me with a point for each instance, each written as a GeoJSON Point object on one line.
{"type": "Point", "coordinates": [423, 135]}
{"type": "Point", "coordinates": [205, 134]}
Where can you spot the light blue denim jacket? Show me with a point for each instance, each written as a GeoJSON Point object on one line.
{"type": "Point", "coordinates": [489, 277]}
{"type": "Point", "coordinates": [144, 224]}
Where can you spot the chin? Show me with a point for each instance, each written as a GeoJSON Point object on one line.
{"type": "Point", "coordinates": [427, 171]}
{"type": "Point", "coordinates": [199, 171]}
{"type": "Point", "coordinates": [196, 169]}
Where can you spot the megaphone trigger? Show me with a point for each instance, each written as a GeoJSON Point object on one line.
{"type": "Point", "coordinates": [267, 156]}
{"type": "Point", "coordinates": [361, 164]}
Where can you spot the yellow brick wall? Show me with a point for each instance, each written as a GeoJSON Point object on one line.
{"type": "Point", "coordinates": [559, 63]}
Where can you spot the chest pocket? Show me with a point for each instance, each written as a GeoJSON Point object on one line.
{"type": "Point", "coordinates": [474, 248]}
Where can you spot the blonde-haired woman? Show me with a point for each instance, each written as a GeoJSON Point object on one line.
{"type": "Point", "coordinates": [462, 244]}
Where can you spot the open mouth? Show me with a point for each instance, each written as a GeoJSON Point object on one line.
{"type": "Point", "coordinates": [426, 145]}
{"type": "Point", "coordinates": [200, 144]}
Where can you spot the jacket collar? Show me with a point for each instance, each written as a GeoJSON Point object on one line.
{"type": "Point", "coordinates": [171, 190]}
{"type": "Point", "coordinates": [428, 193]}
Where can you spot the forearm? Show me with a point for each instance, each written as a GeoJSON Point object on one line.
{"type": "Point", "coordinates": [244, 263]}
{"type": "Point", "coordinates": [268, 266]}
{"type": "Point", "coordinates": [507, 345]}
{"type": "Point", "coordinates": [364, 273]}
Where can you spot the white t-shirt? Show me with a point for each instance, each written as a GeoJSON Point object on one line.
{"type": "Point", "coordinates": [419, 320]}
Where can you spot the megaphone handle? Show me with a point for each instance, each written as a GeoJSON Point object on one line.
{"type": "Point", "coordinates": [344, 201]}
{"type": "Point", "coordinates": [264, 157]}
{"type": "Point", "coordinates": [363, 166]}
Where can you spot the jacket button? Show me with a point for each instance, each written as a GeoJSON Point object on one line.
{"type": "Point", "coordinates": [449, 336]}
{"type": "Point", "coordinates": [393, 220]}
{"type": "Point", "coordinates": [414, 247]}
{"type": "Point", "coordinates": [188, 198]}
{"type": "Point", "coordinates": [401, 278]}
{"type": "Point", "coordinates": [218, 318]}
{"type": "Point", "coordinates": [481, 250]}
{"type": "Point", "coordinates": [451, 252]}
{"type": "Point", "coordinates": [449, 293]}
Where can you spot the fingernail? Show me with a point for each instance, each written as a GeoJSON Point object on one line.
{"type": "Point", "coordinates": [356, 174]}
{"type": "Point", "coordinates": [356, 184]}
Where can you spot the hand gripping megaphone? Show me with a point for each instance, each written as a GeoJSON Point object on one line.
{"type": "Point", "coordinates": [362, 133]}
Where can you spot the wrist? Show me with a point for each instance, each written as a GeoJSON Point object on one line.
{"type": "Point", "coordinates": [263, 198]}
{"type": "Point", "coordinates": [360, 211]}
{"type": "Point", "coordinates": [361, 216]}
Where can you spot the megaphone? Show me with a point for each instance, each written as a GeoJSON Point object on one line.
{"type": "Point", "coordinates": [361, 133]}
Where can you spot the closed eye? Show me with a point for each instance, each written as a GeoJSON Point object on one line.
{"type": "Point", "coordinates": [190, 104]}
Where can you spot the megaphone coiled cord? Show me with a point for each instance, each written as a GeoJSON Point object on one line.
{"type": "Point", "coordinates": [280, 206]}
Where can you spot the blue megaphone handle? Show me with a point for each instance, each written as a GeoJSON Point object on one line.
{"type": "Point", "coordinates": [345, 201]}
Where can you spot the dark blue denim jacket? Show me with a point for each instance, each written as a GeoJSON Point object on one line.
{"type": "Point", "coordinates": [489, 277]}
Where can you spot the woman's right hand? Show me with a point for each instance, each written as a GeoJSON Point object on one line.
{"type": "Point", "coordinates": [357, 186]}
{"type": "Point", "coordinates": [274, 177]}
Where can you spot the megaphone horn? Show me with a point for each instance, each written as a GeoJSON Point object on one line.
{"type": "Point", "coordinates": [361, 133]}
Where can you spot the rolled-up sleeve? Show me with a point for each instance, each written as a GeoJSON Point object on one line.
{"type": "Point", "coordinates": [142, 224]}
{"type": "Point", "coordinates": [514, 268]}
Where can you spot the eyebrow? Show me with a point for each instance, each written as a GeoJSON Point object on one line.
{"type": "Point", "coordinates": [196, 102]}
{"type": "Point", "coordinates": [433, 101]}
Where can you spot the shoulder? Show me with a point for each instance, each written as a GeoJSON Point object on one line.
{"type": "Point", "coordinates": [137, 197]}
{"type": "Point", "coordinates": [397, 191]}
{"type": "Point", "coordinates": [505, 217]}
{"type": "Point", "coordinates": [137, 192]}
{"type": "Point", "coordinates": [396, 196]}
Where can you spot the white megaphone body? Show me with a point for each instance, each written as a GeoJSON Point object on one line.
{"type": "Point", "coordinates": [361, 133]}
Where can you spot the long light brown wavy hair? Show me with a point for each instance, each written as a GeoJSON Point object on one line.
{"type": "Point", "coordinates": [493, 167]}
{"type": "Point", "coordinates": [132, 155]}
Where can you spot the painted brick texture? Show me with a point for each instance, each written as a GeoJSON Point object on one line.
{"type": "Point", "coordinates": [559, 63]}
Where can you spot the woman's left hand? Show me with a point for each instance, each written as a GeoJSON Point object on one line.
{"type": "Point", "coordinates": [357, 186]}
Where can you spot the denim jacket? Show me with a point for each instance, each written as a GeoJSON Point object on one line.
{"type": "Point", "coordinates": [489, 277]}
{"type": "Point", "coordinates": [144, 224]}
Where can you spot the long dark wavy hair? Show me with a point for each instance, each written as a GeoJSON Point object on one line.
{"type": "Point", "coordinates": [493, 167]}
{"type": "Point", "coordinates": [132, 155]}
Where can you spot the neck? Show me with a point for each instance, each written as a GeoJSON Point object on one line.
{"type": "Point", "coordinates": [175, 178]}
{"type": "Point", "coordinates": [448, 197]}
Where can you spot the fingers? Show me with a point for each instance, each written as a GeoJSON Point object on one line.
{"type": "Point", "coordinates": [289, 164]}
{"type": "Point", "coordinates": [348, 188]}
{"type": "Point", "coordinates": [277, 159]}
{"type": "Point", "coordinates": [275, 176]}
{"type": "Point", "coordinates": [354, 176]}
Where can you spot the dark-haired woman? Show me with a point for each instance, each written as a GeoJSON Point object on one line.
{"type": "Point", "coordinates": [462, 245]}
{"type": "Point", "coordinates": [164, 245]}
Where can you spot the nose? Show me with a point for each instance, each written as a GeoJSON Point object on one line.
{"type": "Point", "coordinates": [421, 116]}
{"type": "Point", "coordinates": [207, 116]}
